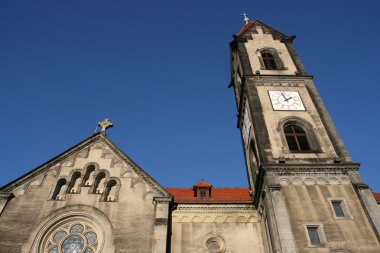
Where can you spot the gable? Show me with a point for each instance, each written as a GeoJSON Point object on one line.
{"type": "Point", "coordinates": [97, 150]}
{"type": "Point", "coordinates": [251, 28]}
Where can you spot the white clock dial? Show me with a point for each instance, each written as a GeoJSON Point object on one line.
{"type": "Point", "coordinates": [286, 101]}
{"type": "Point", "coordinates": [246, 126]}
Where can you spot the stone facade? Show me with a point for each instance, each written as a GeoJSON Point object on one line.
{"type": "Point", "coordinates": [130, 215]}
{"type": "Point", "coordinates": [305, 194]}
{"type": "Point", "coordinates": [236, 226]}
{"type": "Point", "coordinates": [305, 183]}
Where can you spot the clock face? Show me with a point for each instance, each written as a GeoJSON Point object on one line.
{"type": "Point", "coordinates": [286, 101]}
{"type": "Point", "coordinates": [246, 126]}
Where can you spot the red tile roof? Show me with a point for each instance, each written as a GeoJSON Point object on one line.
{"type": "Point", "coordinates": [377, 197]}
{"type": "Point", "coordinates": [202, 184]}
{"type": "Point", "coordinates": [218, 195]}
{"type": "Point", "coordinates": [245, 27]}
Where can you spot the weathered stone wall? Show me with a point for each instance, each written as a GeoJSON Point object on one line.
{"type": "Point", "coordinates": [128, 223]}
{"type": "Point", "coordinates": [235, 227]}
{"type": "Point", "coordinates": [273, 119]}
{"type": "Point", "coordinates": [309, 204]}
{"type": "Point", "coordinates": [262, 40]}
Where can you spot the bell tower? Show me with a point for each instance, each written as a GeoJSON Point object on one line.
{"type": "Point", "coordinates": [294, 156]}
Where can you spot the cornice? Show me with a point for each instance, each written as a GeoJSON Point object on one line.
{"type": "Point", "coordinates": [5, 195]}
{"type": "Point", "coordinates": [314, 168]}
{"type": "Point", "coordinates": [162, 200]}
{"type": "Point", "coordinates": [215, 214]}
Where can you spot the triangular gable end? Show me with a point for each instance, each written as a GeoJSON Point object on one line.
{"type": "Point", "coordinates": [249, 28]}
{"type": "Point", "coordinates": [68, 158]}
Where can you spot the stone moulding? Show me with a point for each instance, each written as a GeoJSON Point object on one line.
{"type": "Point", "coordinates": [97, 141]}
{"type": "Point", "coordinates": [215, 213]}
{"type": "Point", "coordinates": [46, 166]}
{"type": "Point", "coordinates": [314, 168]}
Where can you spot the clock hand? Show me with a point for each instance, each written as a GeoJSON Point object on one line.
{"type": "Point", "coordinates": [282, 94]}
{"type": "Point", "coordinates": [288, 99]}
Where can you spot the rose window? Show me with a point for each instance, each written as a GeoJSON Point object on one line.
{"type": "Point", "coordinates": [75, 237]}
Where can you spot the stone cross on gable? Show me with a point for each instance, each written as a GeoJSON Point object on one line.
{"type": "Point", "coordinates": [246, 19]}
{"type": "Point", "coordinates": [105, 124]}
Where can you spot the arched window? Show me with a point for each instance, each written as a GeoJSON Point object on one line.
{"type": "Point", "coordinates": [73, 236]}
{"type": "Point", "coordinates": [296, 138]}
{"type": "Point", "coordinates": [110, 191]}
{"type": "Point", "coordinates": [60, 190]}
{"type": "Point", "coordinates": [89, 176]}
{"type": "Point", "coordinates": [269, 60]}
{"type": "Point", "coordinates": [99, 183]}
{"type": "Point", "coordinates": [75, 183]}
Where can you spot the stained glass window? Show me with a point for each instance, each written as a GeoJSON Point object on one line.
{"type": "Point", "coordinates": [88, 250]}
{"type": "Point", "coordinates": [77, 228]}
{"type": "Point", "coordinates": [75, 237]}
{"type": "Point", "coordinates": [59, 236]}
{"type": "Point", "coordinates": [91, 237]}
{"type": "Point", "coordinates": [53, 250]}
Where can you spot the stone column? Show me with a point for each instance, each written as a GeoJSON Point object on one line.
{"type": "Point", "coordinates": [161, 222]}
{"type": "Point", "coordinates": [370, 205]}
{"type": "Point", "coordinates": [4, 197]}
{"type": "Point", "coordinates": [281, 218]}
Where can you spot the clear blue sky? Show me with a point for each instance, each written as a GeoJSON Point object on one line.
{"type": "Point", "coordinates": [159, 70]}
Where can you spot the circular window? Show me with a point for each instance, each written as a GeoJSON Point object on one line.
{"type": "Point", "coordinates": [214, 244]}
{"type": "Point", "coordinates": [72, 237]}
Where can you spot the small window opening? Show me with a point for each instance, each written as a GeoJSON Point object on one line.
{"type": "Point", "coordinates": [314, 235]}
{"type": "Point", "coordinates": [111, 191]}
{"type": "Point", "coordinates": [75, 183]}
{"type": "Point", "coordinates": [213, 246]}
{"type": "Point", "coordinates": [89, 176]}
{"type": "Point", "coordinates": [338, 208]}
{"type": "Point", "coordinates": [269, 61]}
{"type": "Point", "coordinates": [60, 190]}
{"type": "Point", "coordinates": [203, 194]}
{"type": "Point", "coordinates": [296, 138]}
{"type": "Point", "coordinates": [99, 183]}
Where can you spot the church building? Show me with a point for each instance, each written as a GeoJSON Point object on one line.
{"type": "Point", "coordinates": [304, 193]}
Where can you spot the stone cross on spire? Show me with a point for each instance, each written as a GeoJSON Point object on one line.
{"type": "Point", "coordinates": [246, 19]}
{"type": "Point", "coordinates": [105, 124]}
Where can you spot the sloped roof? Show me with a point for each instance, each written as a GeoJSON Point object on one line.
{"type": "Point", "coordinates": [245, 27]}
{"type": "Point", "coordinates": [377, 197]}
{"type": "Point", "coordinates": [267, 28]}
{"type": "Point", "coordinates": [202, 184]}
{"type": "Point", "coordinates": [218, 195]}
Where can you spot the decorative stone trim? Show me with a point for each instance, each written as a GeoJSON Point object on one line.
{"type": "Point", "coordinates": [162, 200]}
{"type": "Point", "coordinates": [6, 195]}
{"type": "Point", "coordinates": [46, 166]}
{"type": "Point", "coordinates": [215, 213]}
{"type": "Point", "coordinates": [97, 141]}
{"type": "Point", "coordinates": [311, 168]}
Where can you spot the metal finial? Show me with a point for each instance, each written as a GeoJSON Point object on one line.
{"type": "Point", "coordinates": [246, 19]}
{"type": "Point", "coordinates": [105, 124]}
